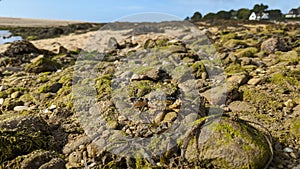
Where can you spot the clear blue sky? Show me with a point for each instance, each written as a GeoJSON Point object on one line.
{"type": "Point", "coordinates": [111, 10]}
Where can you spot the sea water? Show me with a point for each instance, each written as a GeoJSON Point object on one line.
{"type": "Point", "coordinates": [6, 37]}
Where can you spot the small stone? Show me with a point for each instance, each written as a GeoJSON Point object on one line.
{"type": "Point", "coordinates": [170, 117]}
{"type": "Point", "coordinates": [52, 107]}
{"type": "Point", "coordinates": [135, 77]}
{"type": "Point", "coordinates": [1, 101]}
{"type": "Point", "coordinates": [21, 108]}
{"type": "Point", "coordinates": [288, 150]}
{"type": "Point", "coordinates": [254, 81]}
{"type": "Point", "coordinates": [159, 117]}
{"type": "Point", "coordinates": [15, 95]}
{"type": "Point", "coordinates": [294, 155]}
{"type": "Point", "coordinates": [238, 79]}
{"type": "Point", "coordinates": [290, 103]}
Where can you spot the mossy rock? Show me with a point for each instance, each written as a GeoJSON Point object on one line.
{"type": "Point", "coordinates": [144, 87]}
{"type": "Point", "coordinates": [232, 43]}
{"type": "Point", "coordinates": [34, 159]}
{"type": "Point", "coordinates": [50, 87]}
{"type": "Point", "coordinates": [295, 127]}
{"type": "Point", "coordinates": [247, 52]}
{"type": "Point", "coordinates": [21, 135]}
{"type": "Point", "coordinates": [103, 86]}
{"type": "Point", "coordinates": [198, 68]}
{"type": "Point", "coordinates": [140, 88]}
{"type": "Point", "coordinates": [42, 64]}
{"type": "Point", "coordinates": [291, 57]}
{"type": "Point", "coordinates": [234, 69]}
{"type": "Point", "coordinates": [226, 143]}
{"type": "Point", "coordinates": [228, 36]}
{"type": "Point", "coordinates": [281, 79]}
{"type": "Point", "coordinates": [3, 95]}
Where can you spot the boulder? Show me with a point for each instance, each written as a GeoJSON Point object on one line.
{"type": "Point", "coordinates": [229, 144]}
{"type": "Point", "coordinates": [42, 64]}
{"type": "Point", "coordinates": [273, 44]}
{"type": "Point", "coordinates": [21, 135]}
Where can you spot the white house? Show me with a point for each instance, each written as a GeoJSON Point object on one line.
{"type": "Point", "coordinates": [252, 17]}
{"type": "Point", "coordinates": [259, 16]}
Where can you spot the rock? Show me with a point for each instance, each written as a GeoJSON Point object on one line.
{"type": "Point", "coordinates": [112, 43]}
{"type": "Point", "coordinates": [254, 81]}
{"type": "Point", "coordinates": [23, 134]}
{"type": "Point", "coordinates": [294, 155]}
{"type": "Point", "coordinates": [241, 106]}
{"type": "Point", "coordinates": [1, 101]}
{"type": "Point", "coordinates": [50, 87]}
{"type": "Point", "coordinates": [290, 103]}
{"type": "Point", "coordinates": [21, 48]}
{"type": "Point", "coordinates": [75, 159]}
{"type": "Point", "coordinates": [288, 150]}
{"type": "Point", "coordinates": [21, 108]}
{"type": "Point", "coordinates": [169, 117]}
{"type": "Point", "coordinates": [42, 64]}
{"type": "Point", "coordinates": [55, 163]}
{"type": "Point", "coordinates": [229, 144]}
{"type": "Point", "coordinates": [36, 159]}
{"type": "Point", "coordinates": [221, 94]}
{"type": "Point", "coordinates": [274, 44]}
{"type": "Point", "coordinates": [15, 94]}
{"type": "Point", "coordinates": [295, 127]}
{"type": "Point", "coordinates": [238, 79]}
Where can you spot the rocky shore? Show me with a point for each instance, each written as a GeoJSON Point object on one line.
{"type": "Point", "coordinates": [152, 95]}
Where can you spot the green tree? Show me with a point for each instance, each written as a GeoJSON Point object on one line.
{"type": "Point", "coordinates": [243, 13]}
{"type": "Point", "coordinates": [223, 15]}
{"type": "Point", "coordinates": [210, 16]}
{"type": "Point", "coordinates": [259, 8]}
{"type": "Point", "coordinates": [275, 14]}
{"type": "Point", "coordinates": [197, 16]}
{"type": "Point", "coordinates": [233, 14]}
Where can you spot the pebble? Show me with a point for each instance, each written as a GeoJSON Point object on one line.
{"type": "Point", "coordinates": [52, 107]}
{"type": "Point", "coordinates": [294, 155]}
{"type": "Point", "coordinates": [290, 103]}
{"type": "Point", "coordinates": [15, 95]}
{"type": "Point", "coordinates": [1, 101]}
{"type": "Point", "coordinates": [254, 81]}
{"type": "Point", "coordinates": [288, 150]}
{"type": "Point", "coordinates": [21, 108]}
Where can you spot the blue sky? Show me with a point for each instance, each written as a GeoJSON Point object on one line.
{"type": "Point", "coordinates": [112, 10]}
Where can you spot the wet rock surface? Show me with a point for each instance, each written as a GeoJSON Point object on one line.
{"type": "Point", "coordinates": [239, 111]}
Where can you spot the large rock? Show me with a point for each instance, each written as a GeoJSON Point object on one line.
{"type": "Point", "coordinates": [42, 64]}
{"type": "Point", "coordinates": [274, 44]}
{"type": "Point", "coordinates": [227, 144]}
{"type": "Point", "coordinates": [22, 135]}
{"type": "Point", "coordinates": [21, 48]}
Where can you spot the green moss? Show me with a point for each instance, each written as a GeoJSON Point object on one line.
{"type": "Point", "coordinates": [290, 57]}
{"type": "Point", "coordinates": [228, 36]}
{"type": "Point", "coordinates": [3, 95]}
{"type": "Point", "coordinates": [198, 68]}
{"type": "Point", "coordinates": [260, 99]}
{"type": "Point", "coordinates": [232, 43]}
{"type": "Point", "coordinates": [247, 52]}
{"type": "Point", "coordinates": [234, 69]}
{"type": "Point", "coordinates": [16, 89]}
{"type": "Point", "coordinates": [295, 127]}
{"type": "Point", "coordinates": [49, 87]}
{"type": "Point", "coordinates": [14, 143]}
{"type": "Point", "coordinates": [103, 86]}
{"type": "Point", "coordinates": [281, 80]}
{"type": "Point", "coordinates": [140, 88]}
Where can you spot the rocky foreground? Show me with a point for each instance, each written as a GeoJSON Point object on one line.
{"type": "Point", "coordinates": [166, 95]}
